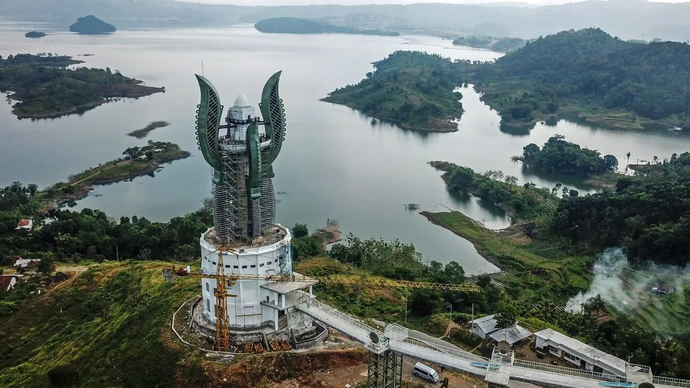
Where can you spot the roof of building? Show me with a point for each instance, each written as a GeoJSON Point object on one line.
{"type": "Point", "coordinates": [25, 224]}
{"type": "Point", "coordinates": [5, 281]}
{"type": "Point", "coordinates": [25, 262]}
{"type": "Point", "coordinates": [512, 334]}
{"type": "Point", "coordinates": [242, 101]}
{"type": "Point", "coordinates": [594, 355]}
{"type": "Point", "coordinates": [487, 323]}
{"type": "Point", "coordinates": [286, 287]}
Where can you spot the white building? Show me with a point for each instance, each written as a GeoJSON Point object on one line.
{"type": "Point", "coordinates": [484, 326]}
{"type": "Point", "coordinates": [253, 304]}
{"type": "Point", "coordinates": [27, 263]}
{"type": "Point", "coordinates": [579, 353]}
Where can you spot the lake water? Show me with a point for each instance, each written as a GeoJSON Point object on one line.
{"type": "Point", "coordinates": [335, 163]}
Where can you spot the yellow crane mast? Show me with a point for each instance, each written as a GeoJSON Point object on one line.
{"type": "Point", "coordinates": [223, 280]}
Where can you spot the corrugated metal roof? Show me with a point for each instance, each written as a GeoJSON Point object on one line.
{"type": "Point", "coordinates": [487, 323]}
{"type": "Point", "coordinates": [584, 351]}
{"type": "Point", "coordinates": [513, 334]}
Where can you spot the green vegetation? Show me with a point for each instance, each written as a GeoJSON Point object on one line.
{"type": "Point", "coordinates": [411, 89]}
{"type": "Point", "coordinates": [561, 156]}
{"type": "Point", "coordinates": [45, 88]}
{"type": "Point", "coordinates": [646, 214]}
{"type": "Point", "coordinates": [89, 332]}
{"type": "Point", "coordinates": [91, 25]}
{"type": "Point", "coordinates": [521, 202]}
{"type": "Point", "coordinates": [90, 235]}
{"type": "Point", "coordinates": [288, 25]}
{"type": "Point", "coordinates": [496, 44]}
{"type": "Point", "coordinates": [35, 34]}
{"type": "Point", "coordinates": [603, 79]}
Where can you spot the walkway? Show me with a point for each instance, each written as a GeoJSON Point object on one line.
{"type": "Point", "coordinates": [458, 359]}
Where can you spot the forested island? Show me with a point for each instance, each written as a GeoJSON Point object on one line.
{"type": "Point", "coordinates": [562, 156]}
{"type": "Point", "coordinates": [91, 25]}
{"type": "Point", "coordinates": [44, 87]}
{"type": "Point", "coordinates": [502, 45]}
{"type": "Point", "coordinates": [289, 25]}
{"type": "Point", "coordinates": [411, 89]}
{"type": "Point", "coordinates": [35, 34]}
{"type": "Point", "coordinates": [587, 75]}
{"type": "Point", "coordinates": [143, 132]}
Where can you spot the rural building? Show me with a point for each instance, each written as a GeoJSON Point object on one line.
{"type": "Point", "coordinates": [25, 224]}
{"type": "Point", "coordinates": [578, 353]}
{"type": "Point", "coordinates": [27, 263]}
{"type": "Point", "coordinates": [482, 327]}
{"type": "Point", "coordinates": [662, 289]}
{"type": "Point", "coordinates": [7, 282]}
{"type": "Point", "coordinates": [513, 335]}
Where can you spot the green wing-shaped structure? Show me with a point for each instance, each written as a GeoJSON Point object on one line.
{"type": "Point", "coordinates": [208, 117]}
{"type": "Point", "coordinates": [254, 159]}
{"type": "Point", "coordinates": [273, 113]}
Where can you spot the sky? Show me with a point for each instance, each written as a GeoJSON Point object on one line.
{"type": "Point", "coordinates": [355, 2]}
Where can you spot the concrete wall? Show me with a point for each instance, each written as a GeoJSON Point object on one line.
{"type": "Point", "coordinates": [245, 308]}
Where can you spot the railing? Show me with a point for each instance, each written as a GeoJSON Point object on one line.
{"type": "Point", "coordinates": [670, 381]}
{"type": "Point", "coordinates": [396, 332]}
{"type": "Point", "coordinates": [457, 353]}
{"type": "Point", "coordinates": [568, 371]}
{"type": "Point", "coordinates": [350, 320]}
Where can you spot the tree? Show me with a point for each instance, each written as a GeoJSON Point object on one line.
{"type": "Point", "coordinates": [300, 230]}
{"type": "Point", "coordinates": [453, 273]}
{"type": "Point", "coordinates": [46, 266]}
{"type": "Point", "coordinates": [506, 315]}
{"type": "Point", "coordinates": [530, 151]}
{"type": "Point", "coordinates": [63, 376]}
{"type": "Point", "coordinates": [610, 163]}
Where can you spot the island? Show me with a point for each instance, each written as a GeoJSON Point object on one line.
{"type": "Point", "coordinates": [91, 25]}
{"type": "Point", "coordinates": [586, 76]}
{"type": "Point", "coordinates": [143, 132]}
{"type": "Point", "coordinates": [561, 156]}
{"type": "Point", "coordinates": [411, 89]}
{"type": "Point", "coordinates": [35, 34]}
{"type": "Point", "coordinates": [503, 45]}
{"type": "Point", "coordinates": [289, 25]}
{"type": "Point", "coordinates": [44, 87]}
{"type": "Point", "coordinates": [136, 161]}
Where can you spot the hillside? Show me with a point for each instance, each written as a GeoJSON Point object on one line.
{"type": "Point", "coordinates": [411, 89]}
{"type": "Point", "coordinates": [502, 45]}
{"type": "Point", "coordinates": [590, 74]}
{"type": "Point", "coordinates": [306, 26]}
{"type": "Point", "coordinates": [88, 331]}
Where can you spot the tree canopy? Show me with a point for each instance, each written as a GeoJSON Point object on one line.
{"type": "Point", "coordinates": [558, 155]}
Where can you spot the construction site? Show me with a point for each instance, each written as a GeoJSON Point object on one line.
{"type": "Point", "coordinates": [252, 301]}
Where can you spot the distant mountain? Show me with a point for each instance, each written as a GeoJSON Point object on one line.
{"type": "Point", "coordinates": [306, 26]}
{"type": "Point", "coordinates": [35, 34]}
{"type": "Point", "coordinates": [92, 25]}
{"type": "Point", "coordinates": [628, 19]}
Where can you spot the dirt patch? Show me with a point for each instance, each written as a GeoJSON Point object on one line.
{"type": "Point", "coordinates": [277, 369]}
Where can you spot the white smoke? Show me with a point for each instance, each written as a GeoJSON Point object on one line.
{"type": "Point", "coordinates": [621, 286]}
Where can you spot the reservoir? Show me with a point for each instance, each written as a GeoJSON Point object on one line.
{"type": "Point", "coordinates": [335, 163]}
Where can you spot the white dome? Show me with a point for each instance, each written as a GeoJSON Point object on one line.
{"type": "Point", "coordinates": [242, 101]}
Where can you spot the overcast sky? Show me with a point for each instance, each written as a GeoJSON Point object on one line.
{"type": "Point", "coordinates": [353, 2]}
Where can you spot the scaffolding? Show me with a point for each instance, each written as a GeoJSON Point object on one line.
{"type": "Point", "coordinates": [385, 366]}
{"type": "Point", "coordinates": [230, 199]}
{"type": "Point", "coordinates": [268, 206]}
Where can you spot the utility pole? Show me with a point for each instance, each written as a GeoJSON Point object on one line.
{"type": "Point", "coordinates": [117, 252]}
{"type": "Point", "coordinates": [451, 313]}
{"type": "Point", "coordinates": [407, 296]}
{"type": "Point", "coordinates": [473, 311]}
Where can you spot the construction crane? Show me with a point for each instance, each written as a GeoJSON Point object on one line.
{"type": "Point", "coordinates": [223, 280]}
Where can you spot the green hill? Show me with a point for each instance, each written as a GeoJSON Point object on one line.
{"type": "Point", "coordinates": [593, 75]}
{"type": "Point", "coordinates": [104, 328]}
{"type": "Point", "coordinates": [91, 25]}
{"type": "Point", "coordinates": [411, 89]}
{"type": "Point", "coordinates": [287, 25]}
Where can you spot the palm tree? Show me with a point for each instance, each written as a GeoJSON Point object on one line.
{"type": "Point", "coordinates": [627, 163]}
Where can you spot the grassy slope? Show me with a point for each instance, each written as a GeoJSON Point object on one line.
{"type": "Point", "coordinates": [109, 324]}
{"type": "Point", "coordinates": [512, 250]}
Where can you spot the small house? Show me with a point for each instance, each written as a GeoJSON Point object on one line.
{"type": "Point", "coordinates": [482, 327]}
{"type": "Point", "coordinates": [25, 224]}
{"type": "Point", "coordinates": [514, 335]}
{"type": "Point", "coordinates": [27, 263]}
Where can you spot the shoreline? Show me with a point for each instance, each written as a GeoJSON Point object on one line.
{"type": "Point", "coordinates": [451, 127]}
{"type": "Point", "coordinates": [82, 188]}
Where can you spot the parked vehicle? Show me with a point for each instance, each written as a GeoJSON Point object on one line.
{"type": "Point", "coordinates": [425, 372]}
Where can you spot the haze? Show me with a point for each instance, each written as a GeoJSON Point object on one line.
{"type": "Point", "coordinates": [361, 2]}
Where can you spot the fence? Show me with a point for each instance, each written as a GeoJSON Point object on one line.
{"type": "Point", "coordinates": [569, 371]}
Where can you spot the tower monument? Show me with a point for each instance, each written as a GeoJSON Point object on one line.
{"type": "Point", "coordinates": [241, 150]}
